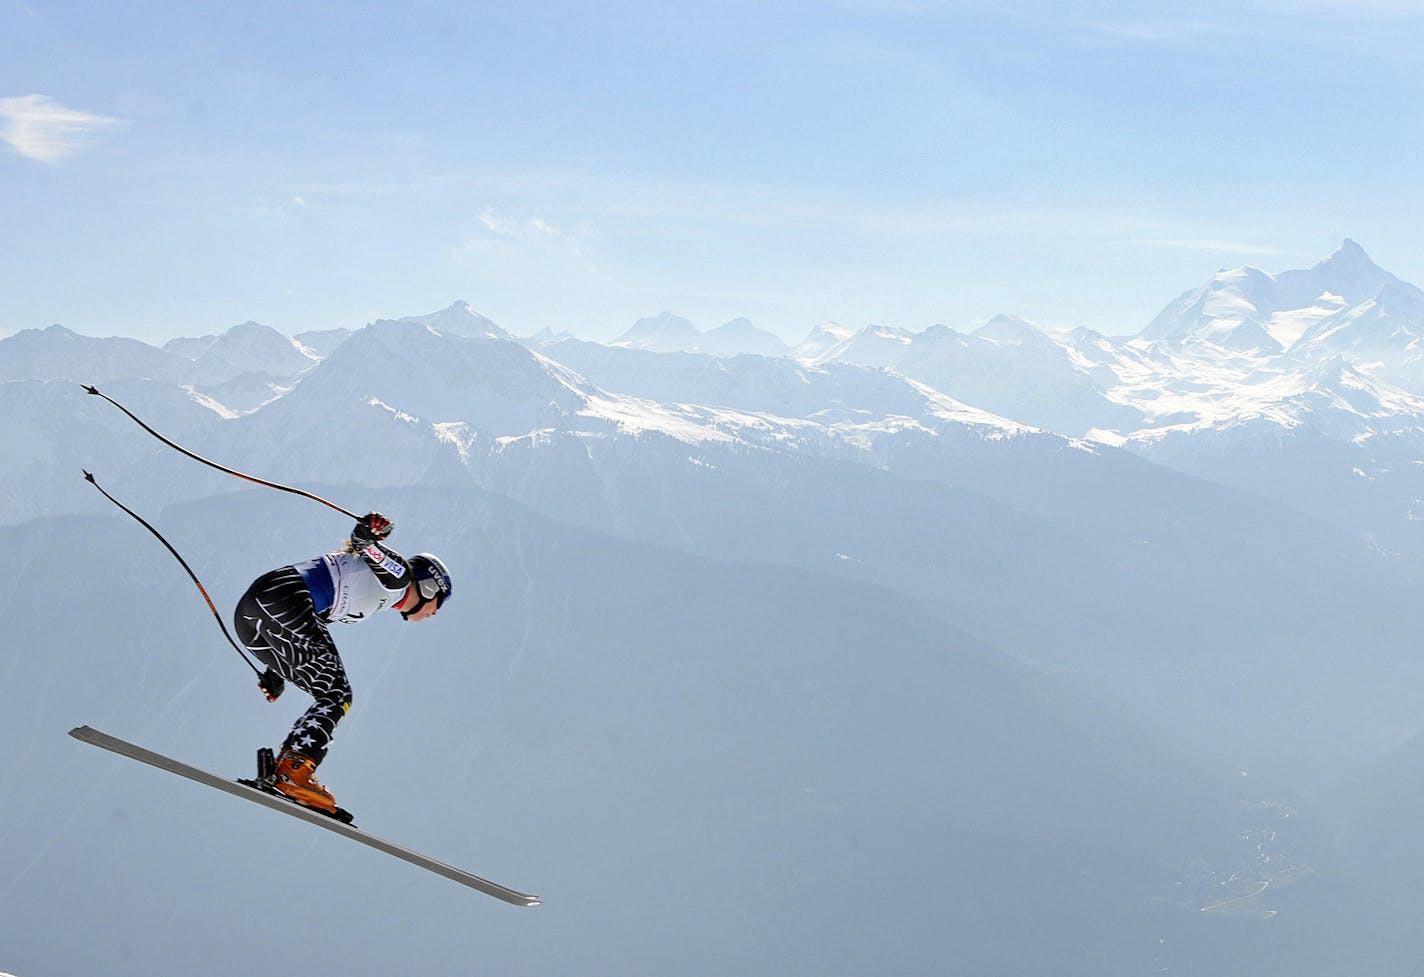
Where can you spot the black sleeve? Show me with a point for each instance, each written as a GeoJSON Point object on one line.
{"type": "Point", "coordinates": [389, 566]}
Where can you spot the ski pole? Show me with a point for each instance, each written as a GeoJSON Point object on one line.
{"type": "Point", "coordinates": [213, 464]}
{"type": "Point", "coordinates": [193, 576]}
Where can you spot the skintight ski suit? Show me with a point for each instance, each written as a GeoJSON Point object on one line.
{"type": "Point", "coordinates": [283, 618]}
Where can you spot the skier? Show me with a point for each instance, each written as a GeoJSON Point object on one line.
{"type": "Point", "coordinates": [283, 618]}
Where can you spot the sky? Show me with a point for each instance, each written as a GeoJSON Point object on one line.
{"type": "Point", "coordinates": [176, 169]}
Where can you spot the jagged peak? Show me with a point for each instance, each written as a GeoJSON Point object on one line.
{"type": "Point", "coordinates": [893, 332]}
{"type": "Point", "coordinates": [1348, 273]}
{"type": "Point", "coordinates": [1349, 250]}
{"type": "Point", "coordinates": [460, 319]}
{"type": "Point", "coordinates": [1350, 263]}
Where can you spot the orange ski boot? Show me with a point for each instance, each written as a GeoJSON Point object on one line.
{"type": "Point", "coordinates": [296, 779]}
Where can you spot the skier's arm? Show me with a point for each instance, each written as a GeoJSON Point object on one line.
{"type": "Point", "coordinates": [368, 541]}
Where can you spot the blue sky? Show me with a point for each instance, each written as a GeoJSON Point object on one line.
{"type": "Point", "coordinates": [175, 169]}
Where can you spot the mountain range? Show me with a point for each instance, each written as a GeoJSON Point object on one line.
{"type": "Point", "coordinates": [1304, 386]}
{"type": "Point", "coordinates": [846, 658]}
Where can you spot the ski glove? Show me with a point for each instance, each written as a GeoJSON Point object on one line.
{"type": "Point", "coordinates": [271, 684]}
{"type": "Point", "coordinates": [371, 528]}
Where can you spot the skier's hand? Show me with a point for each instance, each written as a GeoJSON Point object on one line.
{"type": "Point", "coordinates": [271, 684]}
{"type": "Point", "coordinates": [372, 527]}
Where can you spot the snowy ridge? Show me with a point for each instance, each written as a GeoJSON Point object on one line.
{"type": "Point", "coordinates": [1310, 373]}
{"type": "Point", "coordinates": [1238, 348]}
{"type": "Point", "coordinates": [495, 385]}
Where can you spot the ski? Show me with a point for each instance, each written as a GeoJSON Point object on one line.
{"type": "Point", "coordinates": [92, 736]}
{"type": "Point", "coordinates": [266, 781]}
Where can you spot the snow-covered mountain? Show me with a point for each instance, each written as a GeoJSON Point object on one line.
{"type": "Point", "coordinates": [871, 346]}
{"type": "Point", "coordinates": [836, 393]}
{"type": "Point", "coordinates": [738, 337]}
{"type": "Point", "coordinates": [57, 353]}
{"type": "Point", "coordinates": [823, 338]}
{"type": "Point", "coordinates": [669, 333]}
{"type": "Point", "coordinates": [1247, 310]}
{"type": "Point", "coordinates": [1280, 384]}
{"type": "Point", "coordinates": [663, 333]}
{"type": "Point", "coordinates": [247, 348]}
{"type": "Point", "coordinates": [1384, 334]}
{"type": "Point", "coordinates": [1020, 370]}
{"type": "Point", "coordinates": [1204, 349]}
{"type": "Point", "coordinates": [1234, 311]}
{"type": "Point", "coordinates": [1335, 403]}
{"type": "Point", "coordinates": [254, 348]}
{"type": "Point", "coordinates": [459, 319]}
{"type": "Point", "coordinates": [244, 367]}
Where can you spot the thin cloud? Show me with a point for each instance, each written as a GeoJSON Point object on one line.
{"type": "Point", "coordinates": [497, 225]}
{"type": "Point", "coordinates": [508, 235]}
{"type": "Point", "coordinates": [509, 227]}
{"type": "Point", "coordinates": [39, 128]}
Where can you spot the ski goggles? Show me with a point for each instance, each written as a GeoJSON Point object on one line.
{"type": "Point", "coordinates": [431, 589]}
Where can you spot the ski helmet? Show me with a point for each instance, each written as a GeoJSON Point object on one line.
{"type": "Point", "coordinates": [431, 580]}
